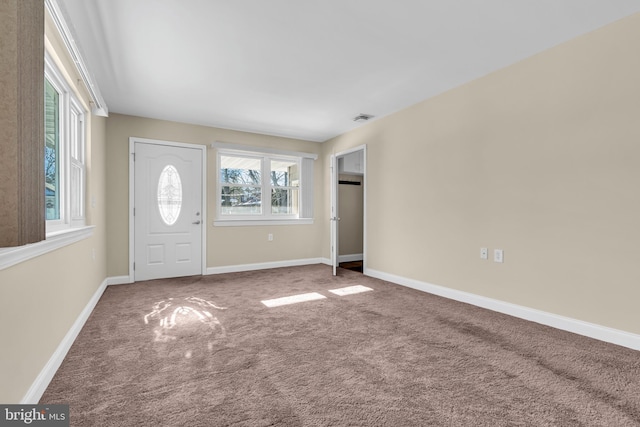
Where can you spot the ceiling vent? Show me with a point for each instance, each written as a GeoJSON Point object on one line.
{"type": "Point", "coordinates": [362, 118]}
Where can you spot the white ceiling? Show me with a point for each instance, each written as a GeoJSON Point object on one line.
{"type": "Point", "coordinates": [302, 68]}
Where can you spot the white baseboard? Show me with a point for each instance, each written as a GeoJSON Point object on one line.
{"type": "Point", "coordinates": [350, 258]}
{"type": "Point", "coordinates": [591, 330]}
{"type": "Point", "coordinates": [263, 265]}
{"type": "Point", "coordinates": [119, 280]}
{"type": "Point", "coordinates": [46, 374]}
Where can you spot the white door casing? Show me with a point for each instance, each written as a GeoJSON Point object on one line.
{"type": "Point", "coordinates": [168, 209]}
{"type": "Point", "coordinates": [333, 218]}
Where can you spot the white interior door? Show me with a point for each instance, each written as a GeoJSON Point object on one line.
{"type": "Point", "coordinates": [334, 214]}
{"type": "Point", "coordinates": [168, 211]}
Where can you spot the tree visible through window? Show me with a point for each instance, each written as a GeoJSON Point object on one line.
{"type": "Point", "coordinates": [51, 151]}
{"type": "Point", "coordinates": [64, 152]}
{"type": "Point", "coordinates": [285, 183]}
{"type": "Point", "coordinates": [241, 179]}
{"type": "Point", "coordinates": [259, 186]}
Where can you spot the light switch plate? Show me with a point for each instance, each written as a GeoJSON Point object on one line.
{"type": "Point", "coordinates": [498, 255]}
{"type": "Point", "coordinates": [484, 253]}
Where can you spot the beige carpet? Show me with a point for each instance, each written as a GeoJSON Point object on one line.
{"type": "Point", "coordinates": [204, 351]}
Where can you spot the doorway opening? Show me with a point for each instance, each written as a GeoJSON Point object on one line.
{"type": "Point", "coordinates": [348, 210]}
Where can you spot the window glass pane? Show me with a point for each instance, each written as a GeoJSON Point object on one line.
{"type": "Point", "coordinates": [52, 151]}
{"type": "Point", "coordinates": [240, 170]}
{"type": "Point", "coordinates": [169, 195]}
{"type": "Point", "coordinates": [285, 201]}
{"type": "Point", "coordinates": [284, 173]}
{"type": "Point", "coordinates": [241, 200]}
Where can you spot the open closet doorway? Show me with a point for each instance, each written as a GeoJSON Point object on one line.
{"type": "Point", "coordinates": [350, 201]}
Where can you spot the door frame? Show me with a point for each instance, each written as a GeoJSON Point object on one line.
{"type": "Point", "coordinates": [333, 214]}
{"type": "Point", "coordinates": [335, 188]}
{"type": "Point", "coordinates": [132, 144]}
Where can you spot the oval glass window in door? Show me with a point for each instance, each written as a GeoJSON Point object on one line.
{"type": "Point", "coordinates": [169, 195]}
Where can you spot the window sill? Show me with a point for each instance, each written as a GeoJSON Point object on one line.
{"type": "Point", "coordinates": [57, 240]}
{"type": "Point", "coordinates": [250, 222]}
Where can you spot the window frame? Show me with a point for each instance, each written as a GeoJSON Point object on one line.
{"type": "Point", "coordinates": [221, 184]}
{"type": "Point", "coordinates": [270, 187]}
{"type": "Point", "coordinates": [266, 186]}
{"type": "Point", "coordinates": [71, 152]}
{"type": "Point", "coordinates": [265, 156]}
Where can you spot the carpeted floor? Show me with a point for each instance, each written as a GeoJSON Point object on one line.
{"type": "Point", "coordinates": [204, 351]}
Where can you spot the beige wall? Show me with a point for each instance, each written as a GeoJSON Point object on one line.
{"type": "Point", "coordinates": [226, 246]}
{"type": "Point", "coordinates": [539, 159]}
{"type": "Point", "coordinates": [40, 299]}
{"type": "Point", "coordinates": [351, 213]}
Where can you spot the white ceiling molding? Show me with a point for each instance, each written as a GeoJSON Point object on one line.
{"type": "Point", "coordinates": [98, 105]}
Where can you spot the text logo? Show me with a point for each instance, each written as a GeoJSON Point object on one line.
{"type": "Point", "coordinates": [34, 415]}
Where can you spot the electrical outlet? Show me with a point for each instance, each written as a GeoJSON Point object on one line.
{"type": "Point", "coordinates": [498, 255]}
{"type": "Point", "coordinates": [484, 253]}
{"type": "Point", "coordinates": [270, 237]}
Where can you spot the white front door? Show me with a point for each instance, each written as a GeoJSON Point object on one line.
{"type": "Point", "coordinates": [168, 211]}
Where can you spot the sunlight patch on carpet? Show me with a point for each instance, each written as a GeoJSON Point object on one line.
{"type": "Point", "coordinates": [171, 317]}
{"type": "Point", "coordinates": [350, 290]}
{"type": "Point", "coordinates": [293, 299]}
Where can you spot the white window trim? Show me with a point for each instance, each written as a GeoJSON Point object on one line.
{"type": "Point", "coordinates": [265, 186]}
{"type": "Point", "coordinates": [12, 256]}
{"type": "Point", "coordinates": [262, 153]}
{"type": "Point", "coordinates": [69, 103]}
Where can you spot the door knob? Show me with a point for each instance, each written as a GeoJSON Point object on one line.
{"type": "Point", "coordinates": [196, 222]}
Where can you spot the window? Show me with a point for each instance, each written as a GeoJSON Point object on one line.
{"type": "Point", "coordinates": [64, 153]}
{"type": "Point", "coordinates": [241, 181]}
{"type": "Point", "coordinates": [285, 186]}
{"type": "Point", "coordinates": [51, 151]}
{"type": "Point", "coordinates": [169, 194]}
{"type": "Point", "coordinates": [255, 186]}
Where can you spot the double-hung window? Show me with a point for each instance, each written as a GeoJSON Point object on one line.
{"type": "Point", "coordinates": [256, 186]}
{"type": "Point", "coordinates": [241, 185]}
{"type": "Point", "coordinates": [284, 183]}
{"type": "Point", "coordinates": [64, 153]}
